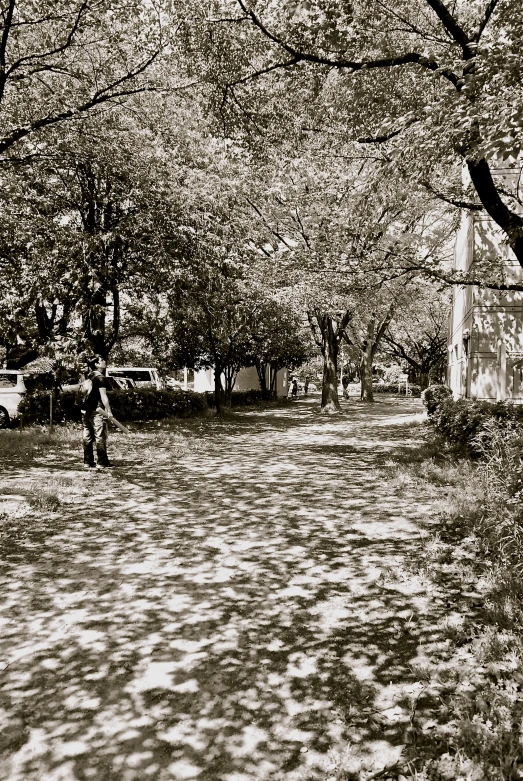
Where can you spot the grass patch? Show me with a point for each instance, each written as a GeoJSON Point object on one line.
{"type": "Point", "coordinates": [475, 558]}
{"type": "Point", "coordinates": [45, 496]}
{"type": "Point", "coordinates": [149, 444]}
{"type": "Point", "coordinates": [35, 440]}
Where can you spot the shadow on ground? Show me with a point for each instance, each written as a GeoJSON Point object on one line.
{"type": "Point", "coordinates": [234, 615]}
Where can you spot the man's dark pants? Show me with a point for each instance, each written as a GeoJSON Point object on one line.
{"type": "Point", "coordinates": [95, 432]}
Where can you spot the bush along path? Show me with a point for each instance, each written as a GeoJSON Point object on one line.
{"type": "Point", "coordinates": [236, 603]}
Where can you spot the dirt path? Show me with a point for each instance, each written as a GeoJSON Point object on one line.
{"type": "Point", "coordinates": [236, 615]}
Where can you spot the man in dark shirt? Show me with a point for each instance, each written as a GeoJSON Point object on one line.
{"type": "Point", "coordinates": [94, 422]}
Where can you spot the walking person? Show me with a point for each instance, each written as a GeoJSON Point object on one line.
{"type": "Point", "coordinates": [294, 388]}
{"type": "Point", "coordinates": [345, 383]}
{"type": "Point", "coordinates": [94, 400]}
{"type": "Point", "coordinates": [306, 386]}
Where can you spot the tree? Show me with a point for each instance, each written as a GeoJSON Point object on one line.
{"type": "Point", "coordinates": [276, 341]}
{"type": "Point", "coordinates": [335, 235]}
{"type": "Point", "coordinates": [63, 59]}
{"type": "Point", "coordinates": [329, 330]}
{"type": "Point", "coordinates": [211, 308]}
{"type": "Point", "coordinates": [427, 86]}
{"type": "Point", "coordinates": [97, 219]}
{"type": "Point", "coordinates": [367, 339]}
{"type": "Point", "coordinates": [419, 337]}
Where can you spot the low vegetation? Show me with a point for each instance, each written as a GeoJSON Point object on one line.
{"type": "Point", "coordinates": [134, 404]}
{"type": "Point", "coordinates": [394, 388]}
{"type": "Point", "coordinates": [474, 556]}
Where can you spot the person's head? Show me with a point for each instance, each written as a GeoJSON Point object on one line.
{"type": "Point", "coordinates": [88, 363]}
{"type": "Point", "coordinates": [100, 364]}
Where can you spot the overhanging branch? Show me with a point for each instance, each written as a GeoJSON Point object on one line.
{"type": "Point", "coordinates": [298, 56]}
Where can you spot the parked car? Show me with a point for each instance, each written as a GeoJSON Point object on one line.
{"type": "Point", "coordinates": [143, 377]}
{"type": "Point", "coordinates": [111, 383]}
{"type": "Point", "coordinates": [12, 388]}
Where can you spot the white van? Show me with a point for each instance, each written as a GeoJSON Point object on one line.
{"type": "Point", "coordinates": [142, 377]}
{"type": "Point", "coordinates": [12, 388]}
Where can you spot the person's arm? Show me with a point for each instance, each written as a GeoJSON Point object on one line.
{"type": "Point", "coordinates": [105, 401]}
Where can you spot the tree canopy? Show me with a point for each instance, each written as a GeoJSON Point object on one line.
{"type": "Point", "coordinates": [428, 87]}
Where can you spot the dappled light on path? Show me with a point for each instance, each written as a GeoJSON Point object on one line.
{"type": "Point", "coordinates": [235, 614]}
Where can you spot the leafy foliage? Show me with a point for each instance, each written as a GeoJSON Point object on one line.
{"type": "Point", "coordinates": [420, 86]}
{"type": "Point", "coordinates": [131, 404]}
{"type": "Point", "coordinates": [468, 423]}
{"type": "Point", "coordinates": [435, 395]}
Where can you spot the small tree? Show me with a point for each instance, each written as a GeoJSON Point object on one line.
{"type": "Point", "coordinates": [211, 309]}
{"type": "Point", "coordinates": [419, 336]}
{"type": "Point", "coordinates": [276, 341]}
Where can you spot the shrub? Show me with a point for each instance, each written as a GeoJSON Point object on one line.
{"type": "Point", "coordinates": [151, 404]}
{"type": "Point", "coordinates": [35, 408]}
{"type": "Point", "coordinates": [414, 390]}
{"type": "Point", "coordinates": [132, 404]}
{"type": "Point", "coordinates": [461, 421]}
{"type": "Point", "coordinates": [434, 395]}
{"type": "Point", "coordinates": [239, 398]}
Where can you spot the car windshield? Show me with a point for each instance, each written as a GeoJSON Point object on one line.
{"type": "Point", "coordinates": [8, 380]}
{"type": "Point", "coordinates": [138, 375]}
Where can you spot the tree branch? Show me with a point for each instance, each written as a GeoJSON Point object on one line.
{"type": "Point", "coordinates": [382, 139]}
{"type": "Point", "coordinates": [314, 329]}
{"type": "Point", "coordinates": [3, 45]}
{"type": "Point", "coordinates": [100, 97]}
{"type": "Point", "coordinates": [489, 10]}
{"type": "Point", "coordinates": [351, 65]}
{"type": "Point", "coordinates": [59, 49]}
{"type": "Point", "coordinates": [460, 204]}
{"type": "Point", "coordinates": [452, 26]}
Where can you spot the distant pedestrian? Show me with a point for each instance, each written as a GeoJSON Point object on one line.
{"type": "Point", "coordinates": [294, 388]}
{"type": "Point", "coordinates": [306, 386]}
{"type": "Point", "coordinates": [94, 401]}
{"type": "Point", "coordinates": [345, 383]}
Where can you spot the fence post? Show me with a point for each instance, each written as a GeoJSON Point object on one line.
{"type": "Point", "coordinates": [50, 411]}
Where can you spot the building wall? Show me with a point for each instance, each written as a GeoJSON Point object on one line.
{"type": "Point", "coordinates": [486, 326]}
{"type": "Point", "coordinates": [247, 379]}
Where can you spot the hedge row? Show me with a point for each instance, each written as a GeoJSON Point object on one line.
{"type": "Point", "coordinates": [132, 404]}
{"type": "Point", "coordinates": [239, 398]}
{"type": "Point", "coordinates": [380, 387]}
{"type": "Point", "coordinates": [460, 422]}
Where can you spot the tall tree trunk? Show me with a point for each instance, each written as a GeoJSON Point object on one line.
{"type": "Point", "coordinates": [330, 402]}
{"type": "Point", "coordinates": [274, 368]}
{"type": "Point", "coordinates": [261, 370]}
{"type": "Point", "coordinates": [230, 381]}
{"type": "Point", "coordinates": [218, 388]}
{"type": "Point", "coordinates": [366, 372]}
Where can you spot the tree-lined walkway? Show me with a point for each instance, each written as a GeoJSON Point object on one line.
{"type": "Point", "coordinates": [238, 614]}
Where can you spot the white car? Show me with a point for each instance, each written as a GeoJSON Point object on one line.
{"type": "Point", "coordinates": [12, 388]}
{"type": "Point", "coordinates": [143, 377]}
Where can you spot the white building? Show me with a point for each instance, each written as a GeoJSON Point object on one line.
{"type": "Point", "coordinates": [247, 379]}
{"type": "Point", "coordinates": [486, 326]}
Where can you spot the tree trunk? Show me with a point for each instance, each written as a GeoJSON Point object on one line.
{"type": "Point", "coordinates": [230, 381]}
{"type": "Point", "coordinates": [423, 379]}
{"type": "Point", "coordinates": [261, 370]}
{"type": "Point", "coordinates": [330, 402]}
{"type": "Point", "coordinates": [274, 377]}
{"type": "Point", "coordinates": [366, 373]}
{"type": "Point", "coordinates": [218, 388]}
